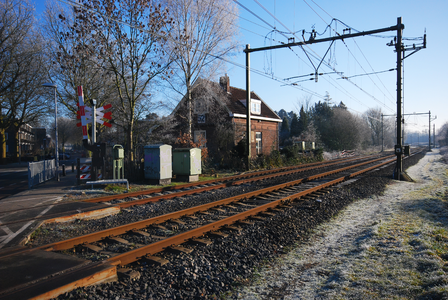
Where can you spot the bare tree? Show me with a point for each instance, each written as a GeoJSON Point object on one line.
{"type": "Point", "coordinates": [71, 65]}
{"type": "Point", "coordinates": [442, 136]}
{"type": "Point", "coordinates": [204, 32]}
{"type": "Point", "coordinates": [21, 68]}
{"type": "Point", "coordinates": [16, 21]}
{"type": "Point", "coordinates": [373, 118]}
{"type": "Point", "coordinates": [127, 38]}
{"type": "Point", "coordinates": [389, 134]}
{"type": "Point", "coordinates": [67, 131]}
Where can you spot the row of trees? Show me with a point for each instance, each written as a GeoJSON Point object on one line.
{"type": "Point", "coordinates": [22, 68]}
{"type": "Point", "coordinates": [333, 127]}
{"type": "Point", "coordinates": [442, 136]}
{"type": "Point", "coordinates": [121, 52]}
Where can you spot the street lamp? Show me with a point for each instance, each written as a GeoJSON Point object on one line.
{"type": "Point", "coordinates": [52, 85]}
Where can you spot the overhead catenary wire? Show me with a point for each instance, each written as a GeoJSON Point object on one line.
{"type": "Point", "coordinates": [373, 73]}
{"type": "Point", "coordinates": [346, 77]}
{"type": "Point", "coordinates": [329, 66]}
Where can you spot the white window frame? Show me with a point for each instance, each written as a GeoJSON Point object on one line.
{"type": "Point", "coordinates": [255, 107]}
{"type": "Point", "coordinates": [196, 135]}
{"type": "Point", "coordinates": [258, 142]}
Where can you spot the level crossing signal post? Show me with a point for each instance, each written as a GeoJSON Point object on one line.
{"type": "Point", "coordinates": [93, 115]}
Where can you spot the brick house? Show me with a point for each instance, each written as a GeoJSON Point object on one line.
{"type": "Point", "coordinates": [219, 117]}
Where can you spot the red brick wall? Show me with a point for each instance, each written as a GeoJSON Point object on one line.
{"type": "Point", "coordinates": [268, 129]}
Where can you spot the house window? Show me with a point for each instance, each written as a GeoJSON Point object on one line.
{"type": "Point", "coordinates": [258, 144]}
{"type": "Point", "coordinates": [200, 106]}
{"type": "Point", "coordinates": [255, 107]}
{"type": "Point", "coordinates": [200, 137]}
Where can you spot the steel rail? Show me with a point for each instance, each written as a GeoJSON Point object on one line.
{"type": "Point", "coordinates": [212, 181]}
{"type": "Point", "coordinates": [96, 236]}
{"type": "Point", "coordinates": [186, 185]}
{"type": "Point", "coordinates": [134, 255]}
{"type": "Point", "coordinates": [219, 186]}
{"type": "Point", "coordinates": [251, 177]}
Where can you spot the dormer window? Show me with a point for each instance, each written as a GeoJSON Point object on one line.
{"type": "Point", "coordinates": [255, 106]}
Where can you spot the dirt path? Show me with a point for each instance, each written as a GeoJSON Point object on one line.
{"type": "Point", "coordinates": [394, 246]}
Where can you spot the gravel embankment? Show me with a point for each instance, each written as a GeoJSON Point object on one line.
{"type": "Point", "coordinates": [388, 246]}
{"type": "Point", "coordinates": [222, 268]}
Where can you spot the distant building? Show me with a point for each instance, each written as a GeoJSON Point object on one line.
{"type": "Point", "coordinates": [26, 141]}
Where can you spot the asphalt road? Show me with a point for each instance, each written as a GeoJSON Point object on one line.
{"type": "Point", "coordinates": [14, 177]}
{"type": "Point", "coordinates": [13, 180]}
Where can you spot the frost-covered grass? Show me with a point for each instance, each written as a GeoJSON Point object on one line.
{"type": "Point", "coordinates": [393, 246]}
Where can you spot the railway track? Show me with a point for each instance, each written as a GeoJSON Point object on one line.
{"type": "Point", "coordinates": [164, 193]}
{"type": "Point", "coordinates": [143, 240]}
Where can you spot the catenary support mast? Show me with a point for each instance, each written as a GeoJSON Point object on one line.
{"type": "Point", "coordinates": [399, 49]}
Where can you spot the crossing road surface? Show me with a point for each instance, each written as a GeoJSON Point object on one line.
{"type": "Point", "coordinates": [13, 180]}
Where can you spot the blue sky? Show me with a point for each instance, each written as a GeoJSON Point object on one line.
{"type": "Point", "coordinates": [424, 72]}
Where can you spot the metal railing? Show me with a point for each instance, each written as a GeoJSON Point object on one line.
{"type": "Point", "coordinates": [41, 171]}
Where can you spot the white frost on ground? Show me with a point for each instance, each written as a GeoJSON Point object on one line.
{"type": "Point", "coordinates": [386, 247]}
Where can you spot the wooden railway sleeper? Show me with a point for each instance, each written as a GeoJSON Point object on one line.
{"type": "Point", "coordinates": [118, 240]}
{"type": "Point", "coordinates": [158, 226]}
{"type": "Point", "coordinates": [245, 222]}
{"type": "Point", "coordinates": [218, 234]}
{"type": "Point", "coordinates": [92, 247]}
{"type": "Point", "coordinates": [140, 232]}
{"type": "Point", "coordinates": [233, 228]}
{"type": "Point", "coordinates": [155, 260]}
{"type": "Point", "coordinates": [201, 241]}
{"type": "Point", "coordinates": [177, 248]}
{"type": "Point", "coordinates": [258, 218]}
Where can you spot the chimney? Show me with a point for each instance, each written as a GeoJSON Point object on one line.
{"type": "Point", "coordinates": [224, 82]}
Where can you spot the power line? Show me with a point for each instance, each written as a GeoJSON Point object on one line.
{"type": "Point", "coordinates": [71, 3]}
{"type": "Point", "coordinates": [379, 72]}
{"type": "Point", "coordinates": [329, 25]}
{"type": "Point", "coordinates": [332, 68]}
{"type": "Point", "coordinates": [255, 15]}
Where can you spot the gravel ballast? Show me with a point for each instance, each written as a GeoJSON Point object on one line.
{"type": "Point", "coordinates": [388, 246]}
{"type": "Point", "coordinates": [238, 266]}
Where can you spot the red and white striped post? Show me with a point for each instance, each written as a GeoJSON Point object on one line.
{"type": "Point", "coordinates": [82, 113]}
